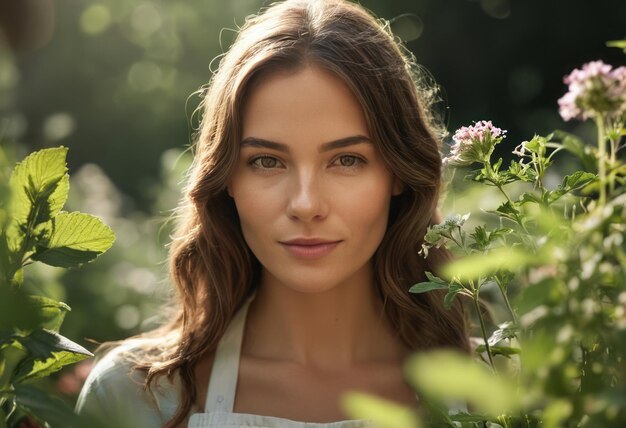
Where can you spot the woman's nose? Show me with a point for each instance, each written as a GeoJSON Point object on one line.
{"type": "Point", "coordinates": [307, 199]}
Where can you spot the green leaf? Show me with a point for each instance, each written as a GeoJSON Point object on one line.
{"type": "Point", "coordinates": [41, 176]}
{"type": "Point", "coordinates": [11, 354]}
{"type": "Point", "coordinates": [48, 353]}
{"type": "Point", "coordinates": [448, 375]}
{"type": "Point", "coordinates": [555, 413]}
{"type": "Point", "coordinates": [16, 310]}
{"type": "Point", "coordinates": [570, 183]}
{"type": "Point", "coordinates": [51, 313]}
{"type": "Point", "coordinates": [530, 197]}
{"type": "Point", "coordinates": [577, 180]}
{"type": "Point", "coordinates": [480, 236]}
{"type": "Point", "coordinates": [578, 148]}
{"type": "Point", "coordinates": [544, 292]}
{"type": "Point", "coordinates": [19, 310]}
{"type": "Point", "coordinates": [453, 290]}
{"type": "Point", "coordinates": [483, 238]}
{"type": "Point", "coordinates": [433, 283]}
{"type": "Point", "coordinates": [45, 407]}
{"type": "Point", "coordinates": [505, 331]}
{"type": "Point", "coordinates": [384, 413]}
{"type": "Point", "coordinates": [424, 287]}
{"type": "Point", "coordinates": [476, 265]}
{"type": "Point", "coordinates": [505, 351]}
{"type": "Point", "coordinates": [621, 44]}
{"type": "Point", "coordinates": [507, 210]}
{"type": "Point", "coordinates": [75, 238]}
{"type": "Point", "coordinates": [467, 417]}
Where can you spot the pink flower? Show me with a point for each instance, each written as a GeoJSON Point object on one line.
{"type": "Point", "coordinates": [596, 88]}
{"type": "Point", "coordinates": [474, 143]}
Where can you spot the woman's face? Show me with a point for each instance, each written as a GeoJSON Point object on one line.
{"type": "Point", "coordinates": [310, 187]}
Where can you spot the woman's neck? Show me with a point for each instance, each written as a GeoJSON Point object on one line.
{"type": "Point", "coordinates": [333, 329]}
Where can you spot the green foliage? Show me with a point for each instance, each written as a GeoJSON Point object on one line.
{"type": "Point", "coordinates": [33, 228]}
{"type": "Point", "coordinates": [445, 375]}
{"type": "Point", "coordinates": [554, 255]}
{"type": "Point", "coordinates": [385, 413]}
{"type": "Point", "coordinates": [621, 44]}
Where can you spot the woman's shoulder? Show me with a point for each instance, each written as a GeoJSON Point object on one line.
{"type": "Point", "coordinates": [115, 389]}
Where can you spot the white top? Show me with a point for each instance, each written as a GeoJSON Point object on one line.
{"type": "Point", "coordinates": [114, 393]}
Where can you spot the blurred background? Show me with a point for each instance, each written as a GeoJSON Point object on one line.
{"type": "Point", "coordinates": [116, 81]}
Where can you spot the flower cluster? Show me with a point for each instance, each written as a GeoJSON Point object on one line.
{"type": "Point", "coordinates": [474, 143]}
{"type": "Point", "coordinates": [597, 88]}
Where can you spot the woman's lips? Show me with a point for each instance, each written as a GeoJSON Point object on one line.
{"type": "Point", "coordinates": [309, 249]}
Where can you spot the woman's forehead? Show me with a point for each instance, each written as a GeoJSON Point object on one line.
{"type": "Point", "coordinates": [310, 101]}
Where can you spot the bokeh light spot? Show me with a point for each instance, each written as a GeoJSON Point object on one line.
{"type": "Point", "coordinates": [407, 27]}
{"type": "Point", "coordinates": [498, 9]}
{"type": "Point", "coordinates": [144, 75]}
{"type": "Point", "coordinates": [58, 126]}
{"type": "Point", "coordinates": [95, 19]}
{"type": "Point", "coordinates": [146, 19]}
{"type": "Point", "coordinates": [127, 317]}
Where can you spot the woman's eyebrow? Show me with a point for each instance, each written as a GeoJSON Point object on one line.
{"type": "Point", "coordinates": [331, 145]}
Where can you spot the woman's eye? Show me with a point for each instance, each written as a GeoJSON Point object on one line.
{"type": "Point", "coordinates": [349, 161]}
{"type": "Point", "coordinates": [265, 162]}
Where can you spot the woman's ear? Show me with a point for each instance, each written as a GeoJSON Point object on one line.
{"type": "Point", "coordinates": [398, 186]}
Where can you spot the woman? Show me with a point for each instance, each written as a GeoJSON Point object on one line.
{"type": "Point", "coordinates": [316, 174]}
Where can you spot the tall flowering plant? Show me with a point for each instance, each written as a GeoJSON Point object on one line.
{"type": "Point", "coordinates": [556, 257]}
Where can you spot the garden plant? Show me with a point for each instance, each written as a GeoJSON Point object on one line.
{"type": "Point", "coordinates": [555, 254]}
{"type": "Point", "coordinates": [33, 228]}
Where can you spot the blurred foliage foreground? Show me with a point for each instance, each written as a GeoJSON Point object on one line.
{"type": "Point", "coordinates": [556, 256]}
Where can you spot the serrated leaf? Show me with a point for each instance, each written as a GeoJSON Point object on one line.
{"type": "Point", "coordinates": [51, 204]}
{"type": "Point", "coordinates": [480, 236]}
{"type": "Point", "coordinates": [507, 209]}
{"type": "Point", "coordinates": [48, 353]}
{"type": "Point", "coordinates": [578, 180]}
{"type": "Point", "coordinates": [384, 413]}
{"type": "Point", "coordinates": [37, 177]}
{"type": "Point", "coordinates": [75, 238]}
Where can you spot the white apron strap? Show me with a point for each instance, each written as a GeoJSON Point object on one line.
{"type": "Point", "coordinates": [223, 381]}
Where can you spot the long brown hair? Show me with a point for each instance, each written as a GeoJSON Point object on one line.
{"type": "Point", "coordinates": [212, 268]}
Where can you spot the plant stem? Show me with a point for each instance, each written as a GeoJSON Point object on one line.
{"type": "Point", "coordinates": [601, 159]}
{"type": "Point", "coordinates": [484, 331]}
{"type": "Point", "coordinates": [517, 217]}
{"type": "Point", "coordinates": [508, 304]}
